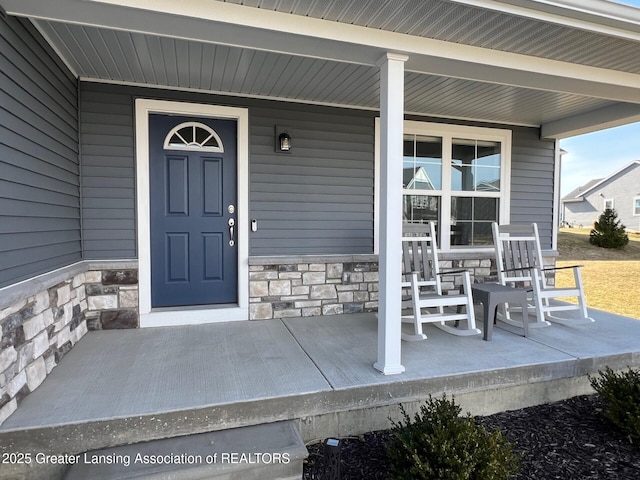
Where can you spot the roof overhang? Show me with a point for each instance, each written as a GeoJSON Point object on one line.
{"type": "Point", "coordinates": [597, 184]}
{"type": "Point", "coordinates": [444, 78]}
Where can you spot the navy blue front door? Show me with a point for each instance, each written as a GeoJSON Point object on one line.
{"type": "Point", "coordinates": [193, 204]}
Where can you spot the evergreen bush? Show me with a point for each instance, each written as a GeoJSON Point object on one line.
{"type": "Point", "coordinates": [608, 232]}
{"type": "Point", "coordinates": [621, 394]}
{"type": "Point", "coordinates": [440, 444]}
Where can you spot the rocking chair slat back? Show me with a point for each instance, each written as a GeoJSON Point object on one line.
{"type": "Point", "coordinates": [419, 254]}
{"type": "Point", "coordinates": [422, 289]}
{"type": "Point", "coordinates": [519, 262]}
{"type": "Point", "coordinates": [517, 251]}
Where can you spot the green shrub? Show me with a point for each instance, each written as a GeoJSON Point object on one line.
{"type": "Point", "coordinates": [440, 444]}
{"type": "Point", "coordinates": [621, 394]}
{"type": "Point", "coordinates": [608, 232]}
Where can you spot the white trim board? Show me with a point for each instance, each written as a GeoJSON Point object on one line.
{"type": "Point", "coordinates": [189, 315]}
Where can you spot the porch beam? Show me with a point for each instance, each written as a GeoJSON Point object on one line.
{"type": "Point", "coordinates": [592, 121]}
{"type": "Point", "coordinates": [391, 133]}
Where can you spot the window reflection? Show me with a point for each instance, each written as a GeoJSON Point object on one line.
{"type": "Point", "coordinates": [420, 208]}
{"type": "Point", "coordinates": [454, 181]}
{"type": "Point", "coordinates": [475, 165]}
{"type": "Point", "coordinates": [422, 163]}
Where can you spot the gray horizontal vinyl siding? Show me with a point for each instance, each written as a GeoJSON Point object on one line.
{"type": "Point", "coordinates": [317, 199]}
{"type": "Point", "coordinates": [39, 172]}
{"type": "Point", "coordinates": [108, 173]}
{"type": "Point", "coordinates": [532, 181]}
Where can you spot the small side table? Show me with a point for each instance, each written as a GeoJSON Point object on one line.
{"type": "Point", "coordinates": [493, 294]}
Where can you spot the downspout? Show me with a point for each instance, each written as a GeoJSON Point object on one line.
{"type": "Point", "coordinates": [557, 183]}
{"type": "Point", "coordinates": [80, 176]}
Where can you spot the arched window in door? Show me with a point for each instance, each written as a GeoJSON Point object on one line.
{"type": "Point", "coordinates": [193, 136]}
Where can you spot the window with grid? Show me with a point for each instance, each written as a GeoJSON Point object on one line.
{"type": "Point", "coordinates": [457, 177]}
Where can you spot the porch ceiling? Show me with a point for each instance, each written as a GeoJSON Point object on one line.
{"type": "Point", "coordinates": [509, 61]}
{"type": "Point", "coordinates": [120, 56]}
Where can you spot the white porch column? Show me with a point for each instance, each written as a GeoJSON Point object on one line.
{"type": "Point", "coordinates": [391, 132]}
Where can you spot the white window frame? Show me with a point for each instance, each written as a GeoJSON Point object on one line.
{"type": "Point", "coordinates": [604, 204]}
{"type": "Point", "coordinates": [193, 145]}
{"type": "Point", "coordinates": [448, 132]}
{"type": "Point", "coordinates": [635, 209]}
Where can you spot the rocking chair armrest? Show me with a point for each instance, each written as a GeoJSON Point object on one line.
{"type": "Point", "coordinates": [451, 272]}
{"type": "Point", "coordinates": [545, 269]}
{"type": "Point", "coordinates": [519, 269]}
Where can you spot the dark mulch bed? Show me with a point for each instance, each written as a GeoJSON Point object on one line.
{"type": "Point", "coordinates": [564, 440]}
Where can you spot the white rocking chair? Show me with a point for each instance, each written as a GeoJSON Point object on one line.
{"type": "Point", "coordinates": [422, 281]}
{"type": "Point", "coordinates": [519, 263]}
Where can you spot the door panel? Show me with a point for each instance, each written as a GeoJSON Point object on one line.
{"type": "Point", "coordinates": [177, 248]}
{"type": "Point", "coordinates": [177, 186]}
{"type": "Point", "coordinates": [212, 199]}
{"type": "Point", "coordinates": [213, 265]}
{"type": "Point", "coordinates": [192, 260]}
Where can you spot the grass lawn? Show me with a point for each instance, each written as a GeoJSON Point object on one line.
{"type": "Point", "coordinates": [610, 276]}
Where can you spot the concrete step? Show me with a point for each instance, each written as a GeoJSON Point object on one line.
{"type": "Point", "coordinates": [272, 451]}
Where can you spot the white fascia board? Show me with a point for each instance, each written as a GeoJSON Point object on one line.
{"type": "Point", "coordinates": [247, 27]}
{"type": "Point", "coordinates": [592, 121]}
{"type": "Point", "coordinates": [596, 16]}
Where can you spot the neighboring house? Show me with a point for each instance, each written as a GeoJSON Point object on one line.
{"type": "Point", "coordinates": [619, 191]}
{"type": "Point", "coordinates": [164, 163]}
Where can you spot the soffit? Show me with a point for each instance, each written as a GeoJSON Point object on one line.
{"type": "Point", "coordinates": [120, 56]}
{"type": "Point", "coordinates": [470, 25]}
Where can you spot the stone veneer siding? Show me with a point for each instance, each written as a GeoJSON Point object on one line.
{"type": "Point", "coordinates": [112, 299]}
{"type": "Point", "coordinates": [42, 319]}
{"type": "Point", "coordinates": [311, 287]}
{"type": "Point", "coordinates": [302, 286]}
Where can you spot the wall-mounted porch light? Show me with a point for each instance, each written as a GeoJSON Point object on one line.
{"type": "Point", "coordinates": [285, 142]}
{"type": "Point", "coordinates": [283, 139]}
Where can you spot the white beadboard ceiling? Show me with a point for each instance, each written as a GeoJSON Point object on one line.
{"type": "Point", "coordinates": [119, 56]}
{"type": "Point", "coordinates": [469, 25]}
{"type": "Point", "coordinates": [121, 53]}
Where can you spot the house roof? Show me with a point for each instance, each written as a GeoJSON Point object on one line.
{"type": "Point", "coordinates": [578, 194]}
{"type": "Point", "coordinates": [568, 66]}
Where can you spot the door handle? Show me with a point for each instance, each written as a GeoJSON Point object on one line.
{"type": "Point", "coordinates": [232, 224]}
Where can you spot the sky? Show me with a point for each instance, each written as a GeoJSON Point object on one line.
{"type": "Point", "coordinates": [635, 3]}
{"type": "Point", "coordinates": [598, 154]}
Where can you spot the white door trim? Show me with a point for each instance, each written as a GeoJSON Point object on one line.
{"type": "Point", "coordinates": [189, 315]}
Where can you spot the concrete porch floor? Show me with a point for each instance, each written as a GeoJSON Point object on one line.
{"type": "Point", "coordinates": [128, 386]}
